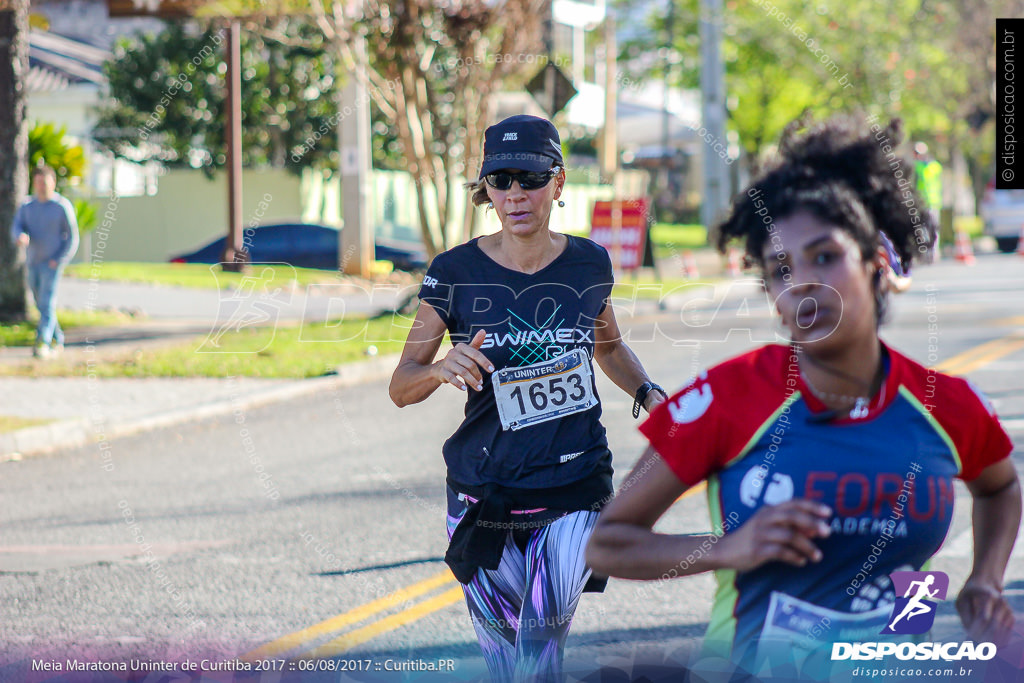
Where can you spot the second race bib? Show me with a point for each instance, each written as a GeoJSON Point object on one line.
{"type": "Point", "coordinates": [544, 391]}
{"type": "Point", "coordinates": [799, 634]}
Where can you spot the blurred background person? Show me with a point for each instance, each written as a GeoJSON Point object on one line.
{"type": "Point", "coordinates": [46, 224]}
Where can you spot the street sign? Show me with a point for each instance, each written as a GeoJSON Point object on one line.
{"type": "Point", "coordinates": [621, 227]}
{"type": "Point", "coordinates": [551, 88]}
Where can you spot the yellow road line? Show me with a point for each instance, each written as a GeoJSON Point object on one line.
{"type": "Point", "coordinates": [349, 640]}
{"type": "Point", "coordinates": [962, 363]}
{"type": "Point", "coordinates": [354, 616]}
{"type": "Point", "coordinates": [950, 364]}
{"type": "Point", "coordinates": [980, 355]}
{"type": "Point", "coordinates": [360, 636]}
{"type": "Point", "coordinates": [1012, 321]}
{"type": "Point", "coordinates": [1004, 350]}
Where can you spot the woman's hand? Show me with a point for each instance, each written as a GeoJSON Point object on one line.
{"type": "Point", "coordinates": [996, 520]}
{"type": "Point", "coordinates": [654, 397]}
{"type": "Point", "coordinates": [464, 365]}
{"type": "Point", "coordinates": [782, 533]}
{"type": "Point", "coordinates": [984, 612]}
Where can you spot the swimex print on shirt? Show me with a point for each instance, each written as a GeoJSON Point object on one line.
{"type": "Point", "coordinates": [540, 331]}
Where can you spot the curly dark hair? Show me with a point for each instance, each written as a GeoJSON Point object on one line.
{"type": "Point", "coordinates": [843, 174]}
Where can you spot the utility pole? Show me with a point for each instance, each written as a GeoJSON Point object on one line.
{"type": "Point", "coordinates": [666, 159]}
{"type": "Point", "coordinates": [712, 86]}
{"type": "Point", "coordinates": [609, 137]}
{"type": "Point", "coordinates": [356, 240]}
{"type": "Point", "coordinates": [235, 256]}
{"type": "Point", "coordinates": [549, 49]}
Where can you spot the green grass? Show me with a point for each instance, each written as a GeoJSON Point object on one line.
{"type": "Point", "coordinates": [13, 424]}
{"type": "Point", "coordinates": [194, 275]}
{"type": "Point", "coordinates": [646, 288]}
{"type": "Point", "coordinates": [24, 334]}
{"type": "Point", "coordinates": [287, 351]}
{"type": "Point", "coordinates": [671, 236]}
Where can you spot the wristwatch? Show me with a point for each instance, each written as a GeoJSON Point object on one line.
{"type": "Point", "coordinates": [641, 396]}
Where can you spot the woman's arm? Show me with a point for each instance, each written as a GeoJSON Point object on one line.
{"type": "Point", "coordinates": [418, 376]}
{"type": "Point", "coordinates": [618, 360]}
{"type": "Point", "coordinates": [623, 543]}
{"type": "Point", "coordinates": [996, 518]}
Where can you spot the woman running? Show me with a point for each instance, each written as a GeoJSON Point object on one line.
{"type": "Point", "coordinates": [529, 467]}
{"type": "Point", "coordinates": [829, 461]}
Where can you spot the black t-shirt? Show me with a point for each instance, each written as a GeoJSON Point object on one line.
{"type": "Point", "coordinates": [528, 318]}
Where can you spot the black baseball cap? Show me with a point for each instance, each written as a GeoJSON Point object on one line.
{"type": "Point", "coordinates": [522, 142]}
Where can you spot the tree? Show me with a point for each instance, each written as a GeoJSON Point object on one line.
{"type": "Point", "coordinates": [970, 26]}
{"type": "Point", "coordinates": [168, 97]}
{"type": "Point", "coordinates": [46, 145]}
{"type": "Point", "coordinates": [13, 152]}
{"type": "Point", "coordinates": [783, 56]}
{"type": "Point", "coordinates": [431, 69]}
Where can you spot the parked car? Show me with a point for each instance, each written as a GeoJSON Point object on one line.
{"type": "Point", "coordinates": [407, 256]}
{"type": "Point", "coordinates": [1003, 214]}
{"type": "Point", "coordinates": [305, 245]}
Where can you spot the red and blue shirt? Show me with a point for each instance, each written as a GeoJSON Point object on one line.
{"type": "Point", "coordinates": [751, 428]}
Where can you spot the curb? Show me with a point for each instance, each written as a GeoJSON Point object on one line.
{"type": "Point", "coordinates": [78, 432]}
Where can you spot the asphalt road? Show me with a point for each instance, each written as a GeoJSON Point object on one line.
{"type": "Point", "coordinates": [223, 537]}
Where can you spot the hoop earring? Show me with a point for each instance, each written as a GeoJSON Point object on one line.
{"type": "Point", "coordinates": [490, 205]}
{"type": "Point", "coordinates": [561, 203]}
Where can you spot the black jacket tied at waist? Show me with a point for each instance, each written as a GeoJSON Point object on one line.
{"type": "Point", "coordinates": [479, 539]}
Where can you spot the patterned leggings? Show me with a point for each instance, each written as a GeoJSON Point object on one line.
{"type": "Point", "coordinates": [523, 609]}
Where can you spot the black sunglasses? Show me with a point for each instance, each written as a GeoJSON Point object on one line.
{"type": "Point", "coordinates": [528, 180]}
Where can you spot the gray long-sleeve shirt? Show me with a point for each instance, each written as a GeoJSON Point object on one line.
{"type": "Point", "coordinates": [51, 227]}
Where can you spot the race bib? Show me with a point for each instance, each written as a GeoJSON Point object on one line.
{"type": "Point", "coordinates": [544, 391]}
{"type": "Point", "coordinates": [795, 630]}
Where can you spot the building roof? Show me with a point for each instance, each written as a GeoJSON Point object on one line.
{"type": "Point", "coordinates": [57, 62]}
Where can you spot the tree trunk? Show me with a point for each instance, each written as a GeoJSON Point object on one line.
{"type": "Point", "coordinates": [13, 153]}
{"type": "Point", "coordinates": [472, 158]}
{"type": "Point", "coordinates": [278, 148]}
{"type": "Point", "coordinates": [405, 116]}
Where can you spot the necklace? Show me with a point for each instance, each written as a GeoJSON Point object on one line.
{"type": "Point", "coordinates": [860, 403]}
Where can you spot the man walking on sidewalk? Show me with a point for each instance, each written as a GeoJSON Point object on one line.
{"type": "Point", "coordinates": [46, 224]}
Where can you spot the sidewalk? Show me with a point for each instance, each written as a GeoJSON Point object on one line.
{"type": "Point", "coordinates": [84, 410]}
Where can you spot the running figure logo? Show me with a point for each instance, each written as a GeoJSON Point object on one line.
{"type": "Point", "coordinates": [254, 303]}
{"type": "Point", "coordinates": [914, 613]}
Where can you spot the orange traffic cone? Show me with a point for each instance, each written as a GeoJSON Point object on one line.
{"type": "Point", "coordinates": [690, 265]}
{"type": "Point", "coordinates": [962, 250]}
{"type": "Point", "coordinates": [735, 268]}
{"type": "Point", "coordinates": [1020, 242]}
